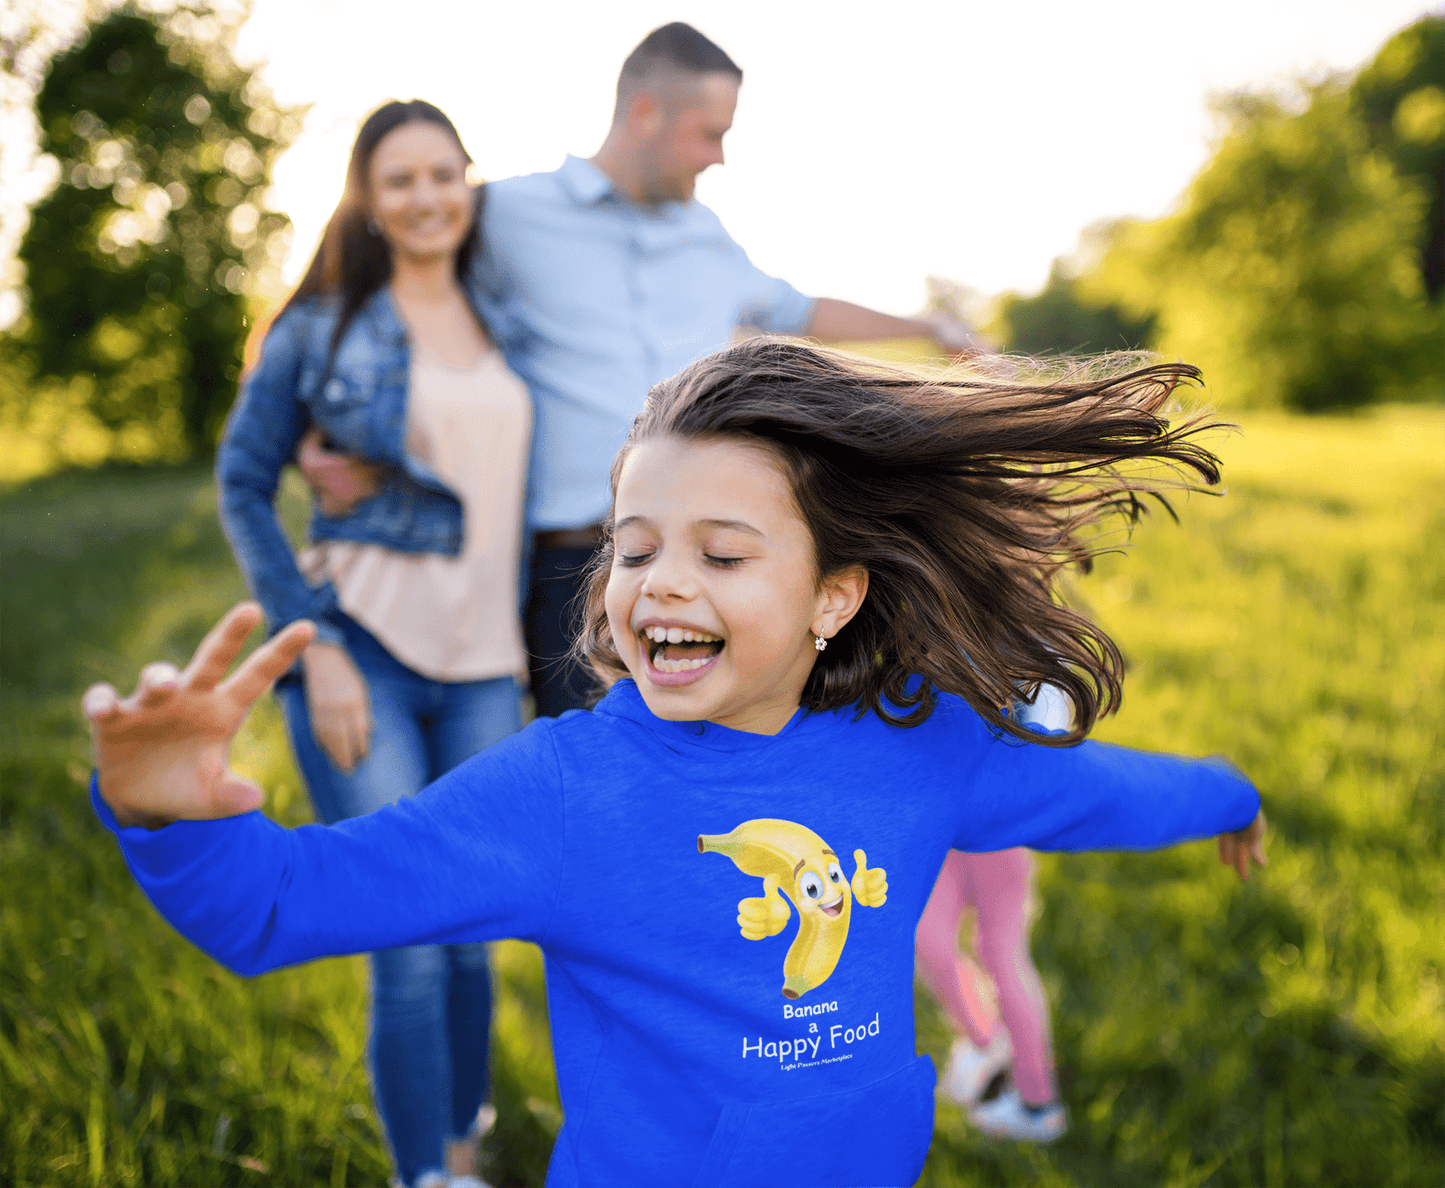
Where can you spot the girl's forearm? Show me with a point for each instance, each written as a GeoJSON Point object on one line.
{"type": "Point", "coordinates": [256, 896]}
{"type": "Point", "coordinates": [1098, 796]}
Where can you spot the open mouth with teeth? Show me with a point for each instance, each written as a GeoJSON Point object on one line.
{"type": "Point", "coordinates": [679, 649]}
{"type": "Point", "coordinates": [832, 909]}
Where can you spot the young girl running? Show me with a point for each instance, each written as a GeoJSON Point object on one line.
{"type": "Point", "coordinates": [821, 583]}
{"type": "Point", "coordinates": [998, 888]}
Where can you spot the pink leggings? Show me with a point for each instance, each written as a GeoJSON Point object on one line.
{"type": "Point", "coordinates": [997, 887]}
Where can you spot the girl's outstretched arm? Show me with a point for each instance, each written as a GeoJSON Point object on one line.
{"type": "Point", "coordinates": [474, 857]}
{"type": "Point", "coordinates": [1098, 796]}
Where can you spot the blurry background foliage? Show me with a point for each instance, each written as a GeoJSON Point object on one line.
{"type": "Point", "coordinates": [1305, 264]}
{"type": "Point", "coordinates": [143, 259]}
{"type": "Point", "coordinates": [1303, 268]}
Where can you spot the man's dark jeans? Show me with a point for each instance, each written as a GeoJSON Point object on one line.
{"type": "Point", "coordinates": [552, 621]}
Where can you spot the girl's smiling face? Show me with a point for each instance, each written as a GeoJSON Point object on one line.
{"type": "Point", "coordinates": [713, 600]}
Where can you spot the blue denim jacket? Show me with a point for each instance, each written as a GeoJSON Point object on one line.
{"type": "Point", "coordinates": [359, 400]}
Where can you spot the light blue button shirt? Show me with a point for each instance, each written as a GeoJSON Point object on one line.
{"type": "Point", "coordinates": [594, 299]}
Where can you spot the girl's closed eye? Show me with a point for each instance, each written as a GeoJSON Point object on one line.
{"type": "Point", "coordinates": [723, 562]}
{"type": "Point", "coordinates": [632, 560]}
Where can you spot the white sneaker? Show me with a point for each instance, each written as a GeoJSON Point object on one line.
{"type": "Point", "coordinates": [1007, 1116]}
{"type": "Point", "coordinates": [970, 1069]}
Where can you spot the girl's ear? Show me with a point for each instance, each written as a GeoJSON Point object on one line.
{"type": "Point", "coordinates": [839, 597]}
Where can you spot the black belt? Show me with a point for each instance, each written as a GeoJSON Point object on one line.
{"type": "Point", "coordinates": [570, 538]}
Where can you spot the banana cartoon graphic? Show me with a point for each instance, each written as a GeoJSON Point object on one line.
{"type": "Point", "coordinates": [791, 858]}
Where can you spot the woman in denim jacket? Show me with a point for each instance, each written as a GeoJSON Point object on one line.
{"type": "Point", "coordinates": [414, 590]}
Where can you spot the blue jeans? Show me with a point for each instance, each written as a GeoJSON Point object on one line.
{"type": "Point", "coordinates": [431, 1005]}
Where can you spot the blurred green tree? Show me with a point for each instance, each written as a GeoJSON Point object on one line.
{"type": "Point", "coordinates": [1400, 96]}
{"type": "Point", "coordinates": [1292, 271]}
{"type": "Point", "coordinates": [1065, 319]}
{"type": "Point", "coordinates": [140, 261]}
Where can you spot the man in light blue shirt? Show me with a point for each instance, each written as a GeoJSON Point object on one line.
{"type": "Point", "coordinates": [606, 276]}
{"type": "Point", "coordinates": [595, 297]}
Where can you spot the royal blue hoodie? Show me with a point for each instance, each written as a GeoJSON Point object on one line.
{"type": "Point", "coordinates": [622, 844]}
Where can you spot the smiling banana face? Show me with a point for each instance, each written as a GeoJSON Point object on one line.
{"type": "Point", "coordinates": [795, 862]}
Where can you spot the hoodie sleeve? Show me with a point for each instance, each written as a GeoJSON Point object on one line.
{"type": "Point", "coordinates": [476, 856]}
{"type": "Point", "coordinates": [1095, 796]}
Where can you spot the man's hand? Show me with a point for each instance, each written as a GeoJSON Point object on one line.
{"type": "Point", "coordinates": [161, 753]}
{"type": "Point", "coordinates": [954, 337]}
{"type": "Point", "coordinates": [338, 481]}
{"type": "Point", "coordinates": [337, 704]}
{"type": "Point", "coordinates": [1239, 848]}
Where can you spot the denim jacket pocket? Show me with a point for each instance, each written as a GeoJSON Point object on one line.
{"type": "Point", "coordinates": [340, 405]}
{"type": "Point", "coordinates": [876, 1136]}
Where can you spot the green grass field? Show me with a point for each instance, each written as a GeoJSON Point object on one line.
{"type": "Point", "coordinates": [1288, 1031]}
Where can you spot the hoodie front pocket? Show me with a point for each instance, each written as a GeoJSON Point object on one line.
{"type": "Point", "coordinates": [873, 1137]}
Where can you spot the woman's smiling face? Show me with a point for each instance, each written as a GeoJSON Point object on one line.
{"type": "Point", "coordinates": [417, 183]}
{"type": "Point", "coordinates": [713, 600]}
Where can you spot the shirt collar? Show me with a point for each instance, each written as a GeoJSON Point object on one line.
{"type": "Point", "coordinates": [584, 181]}
{"type": "Point", "coordinates": [624, 700]}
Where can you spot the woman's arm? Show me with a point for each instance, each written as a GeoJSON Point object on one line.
{"type": "Point", "coordinates": [260, 438]}
{"type": "Point", "coordinates": [474, 857]}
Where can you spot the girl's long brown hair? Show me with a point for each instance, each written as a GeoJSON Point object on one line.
{"type": "Point", "coordinates": [961, 497]}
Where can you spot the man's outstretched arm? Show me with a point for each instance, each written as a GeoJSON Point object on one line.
{"type": "Point", "coordinates": [842, 321]}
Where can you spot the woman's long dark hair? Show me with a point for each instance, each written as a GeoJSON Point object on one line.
{"type": "Point", "coordinates": [961, 497]}
{"type": "Point", "coordinates": [352, 261]}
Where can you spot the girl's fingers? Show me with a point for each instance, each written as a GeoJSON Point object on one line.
{"type": "Point", "coordinates": [268, 662]}
{"type": "Point", "coordinates": [157, 685]}
{"type": "Point", "coordinates": [234, 796]}
{"type": "Point", "coordinates": [101, 703]}
{"type": "Point", "coordinates": [221, 646]}
{"type": "Point", "coordinates": [1229, 852]}
{"type": "Point", "coordinates": [1256, 841]}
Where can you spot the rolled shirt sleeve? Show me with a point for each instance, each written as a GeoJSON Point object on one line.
{"type": "Point", "coordinates": [777, 307]}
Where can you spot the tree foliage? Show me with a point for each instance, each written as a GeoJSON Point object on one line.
{"type": "Point", "coordinates": [1298, 268]}
{"type": "Point", "coordinates": [1400, 97]}
{"type": "Point", "coordinates": [1064, 319]}
{"type": "Point", "coordinates": [140, 261]}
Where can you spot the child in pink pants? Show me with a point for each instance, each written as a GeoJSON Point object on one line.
{"type": "Point", "coordinates": [997, 888]}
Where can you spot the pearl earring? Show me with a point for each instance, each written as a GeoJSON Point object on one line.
{"type": "Point", "coordinates": [820, 643]}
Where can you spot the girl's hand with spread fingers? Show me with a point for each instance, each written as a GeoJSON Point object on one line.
{"type": "Point", "coordinates": [1239, 848]}
{"type": "Point", "coordinates": [160, 754]}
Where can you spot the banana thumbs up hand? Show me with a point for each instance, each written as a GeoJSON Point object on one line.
{"type": "Point", "coordinates": [766, 914]}
{"type": "Point", "coordinates": [870, 887]}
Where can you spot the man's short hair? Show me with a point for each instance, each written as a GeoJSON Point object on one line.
{"type": "Point", "coordinates": [668, 54]}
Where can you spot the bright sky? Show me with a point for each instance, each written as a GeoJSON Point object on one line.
{"type": "Point", "coordinates": [946, 137]}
